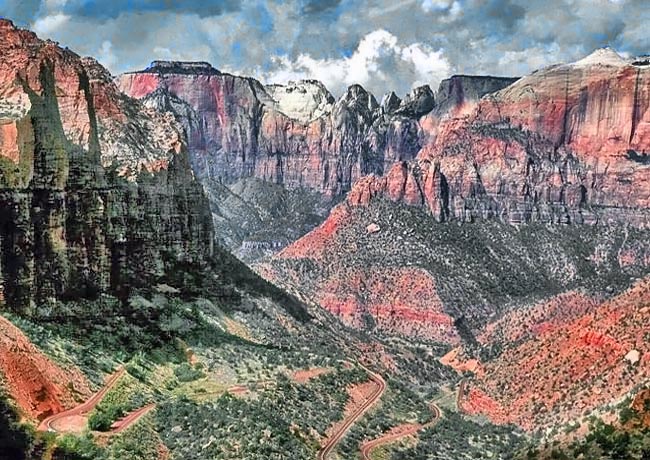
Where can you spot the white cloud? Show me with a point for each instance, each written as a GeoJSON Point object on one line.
{"type": "Point", "coordinates": [198, 53]}
{"type": "Point", "coordinates": [47, 25]}
{"type": "Point", "coordinates": [55, 5]}
{"type": "Point", "coordinates": [521, 62]}
{"type": "Point", "coordinates": [106, 56]}
{"type": "Point", "coordinates": [435, 5]}
{"type": "Point", "coordinates": [378, 59]}
{"type": "Point", "coordinates": [453, 7]}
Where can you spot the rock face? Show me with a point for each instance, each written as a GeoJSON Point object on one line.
{"type": "Point", "coordinates": [296, 135]}
{"type": "Point", "coordinates": [303, 101]}
{"type": "Point", "coordinates": [459, 94]}
{"type": "Point", "coordinates": [96, 190]}
{"type": "Point", "coordinates": [566, 144]}
{"type": "Point", "coordinates": [39, 386]}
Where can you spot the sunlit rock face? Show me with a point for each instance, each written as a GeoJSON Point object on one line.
{"type": "Point", "coordinates": [566, 144]}
{"type": "Point", "coordinates": [297, 134]}
{"type": "Point", "coordinates": [96, 190]}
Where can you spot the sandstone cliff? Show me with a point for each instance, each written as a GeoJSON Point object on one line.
{"type": "Point", "coordinates": [246, 136]}
{"type": "Point", "coordinates": [96, 190]}
{"type": "Point", "coordinates": [297, 134]}
{"type": "Point", "coordinates": [566, 144]}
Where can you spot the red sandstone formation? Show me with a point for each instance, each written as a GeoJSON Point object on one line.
{"type": "Point", "coordinates": [129, 134]}
{"type": "Point", "coordinates": [563, 371]}
{"type": "Point", "coordinates": [565, 144]}
{"type": "Point", "coordinates": [39, 386]}
{"type": "Point", "coordinates": [396, 300]}
{"type": "Point", "coordinates": [297, 134]}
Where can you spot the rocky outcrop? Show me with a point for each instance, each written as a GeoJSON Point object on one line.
{"type": "Point", "coordinates": [96, 190]}
{"type": "Point", "coordinates": [39, 386]}
{"type": "Point", "coordinates": [418, 102]}
{"type": "Point", "coordinates": [304, 100]}
{"type": "Point", "coordinates": [459, 94]}
{"type": "Point", "coordinates": [296, 135]}
{"type": "Point", "coordinates": [556, 370]}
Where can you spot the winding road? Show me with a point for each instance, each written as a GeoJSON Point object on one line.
{"type": "Point", "coordinates": [130, 419]}
{"type": "Point", "coordinates": [367, 447]}
{"type": "Point", "coordinates": [336, 437]}
{"type": "Point", "coordinates": [83, 408]}
{"type": "Point", "coordinates": [461, 393]}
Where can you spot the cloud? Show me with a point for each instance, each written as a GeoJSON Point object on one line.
{"type": "Point", "coordinates": [102, 9]}
{"type": "Point", "coordinates": [319, 6]}
{"type": "Point", "coordinates": [384, 45]}
{"type": "Point", "coordinates": [49, 25]}
{"type": "Point", "coordinates": [452, 7]}
{"type": "Point", "coordinates": [379, 62]}
{"type": "Point", "coordinates": [105, 54]}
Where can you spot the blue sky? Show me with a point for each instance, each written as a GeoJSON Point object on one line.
{"type": "Point", "coordinates": [381, 44]}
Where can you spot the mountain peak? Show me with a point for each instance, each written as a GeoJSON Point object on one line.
{"type": "Point", "coordinates": [602, 56]}
{"type": "Point", "coordinates": [301, 100]}
{"type": "Point", "coordinates": [6, 24]}
{"type": "Point", "coordinates": [181, 67]}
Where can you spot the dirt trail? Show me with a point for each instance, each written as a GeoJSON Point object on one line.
{"type": "Point", "coordinates": [461, 393]}
{"type": "Point", "coordinates": [388, 438]}
{"type": "Point", "coordinates": [83, 409]}
{"type": "Point", "coordinates": [336, 437]}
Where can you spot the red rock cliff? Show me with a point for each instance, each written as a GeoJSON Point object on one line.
{"type": "Point", "coordinates": [566, 144]}
{"type": "Point", "coordinates": [295, 134]}
{"type": "Point", "coordinates": [96, 190]}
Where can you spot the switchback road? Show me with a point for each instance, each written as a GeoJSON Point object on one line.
{"type": "Point", "coordinates": [336, 437]}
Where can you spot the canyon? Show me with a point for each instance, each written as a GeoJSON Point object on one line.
{"type": "Point", "coordinates": [488, 240]}
{"type": "Point", "coordinates": [297, 136]}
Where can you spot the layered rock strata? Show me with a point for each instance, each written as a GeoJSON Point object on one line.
{"type": "Point", "coordinates": [96, 190]}
{"type": "Point", "coordinates": [298, 134]}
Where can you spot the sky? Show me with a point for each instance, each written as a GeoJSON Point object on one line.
{"type": "Point", "coordinates": [381, 44]}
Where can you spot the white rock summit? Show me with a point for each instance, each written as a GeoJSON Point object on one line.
{"type": "Point", "coordinates": [302, 100]}
{"type": "Point", "coordinates": [604, 57]}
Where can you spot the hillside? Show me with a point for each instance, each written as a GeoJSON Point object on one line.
{"type": "Point", "coordinates": [448, 277]}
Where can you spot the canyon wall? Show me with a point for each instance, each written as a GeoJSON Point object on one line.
{"type": "Point", "coordinates": [566, 144]}
{"type": "Point", "coordinates": [96, 191]}
{"type": "Point", "coordinates": [298, 134]}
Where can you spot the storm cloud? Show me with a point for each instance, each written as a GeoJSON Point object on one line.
{"type": "Point", "coordinates": [382, 44]}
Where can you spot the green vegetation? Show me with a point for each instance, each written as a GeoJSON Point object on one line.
{"type": "Point", "coordinates": [17, 442]}
{"type": "Point", "coordinates": [187, 373]}
{"type": "Point", "coordinates": [627, 439]}
{"type": "Point", "coordinates": [456, 437]}
{"type": "Point", "coordinates": [71, 447]}
{"type": "Point", "coordinates": [127, 395]}
{"type": "Point", "coordinates": [287, 418]}
{"type": "Point", "coordinates": [138, 442]}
